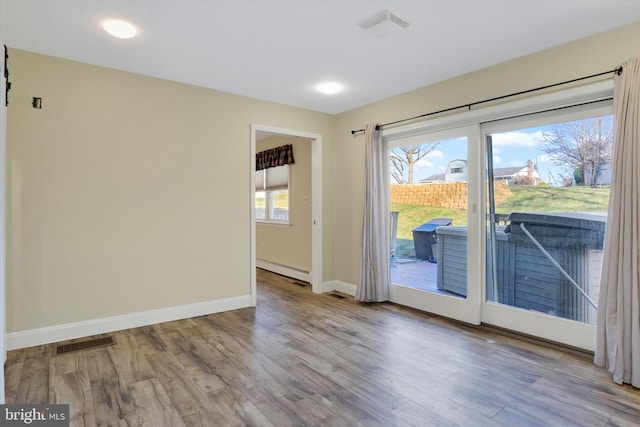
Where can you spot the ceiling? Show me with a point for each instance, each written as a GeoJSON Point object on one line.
{"type": "Point", "coordinates": [278, 50]}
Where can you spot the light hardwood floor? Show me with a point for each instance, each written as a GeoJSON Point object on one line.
{"type": "Point", "coordinates": [300, 359]}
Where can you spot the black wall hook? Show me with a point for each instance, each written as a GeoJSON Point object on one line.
{"type": "Point", "coordinates": [6, 76]}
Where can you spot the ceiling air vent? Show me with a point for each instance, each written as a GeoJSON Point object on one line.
{"type": "Point", "coordinates": [383, 24]}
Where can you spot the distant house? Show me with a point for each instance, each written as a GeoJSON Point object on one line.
{"type": "Point", "coordinates": [456, 172]}
{"type": "Point", "coordinates": [526, 175]}
{"type": "Point", "coordinates": [604, 175]}
{"type": "Point", "coordinates": [433, 179]}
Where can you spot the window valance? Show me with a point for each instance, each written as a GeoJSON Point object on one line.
{"type": "Point", "coordinates": [278, 156]}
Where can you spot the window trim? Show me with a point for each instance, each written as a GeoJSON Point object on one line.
{"type": "Point", "coordinates": [572, 97]}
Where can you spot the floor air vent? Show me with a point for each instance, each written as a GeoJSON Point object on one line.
{"type": "Point", "coordinates": [84, 345]}
{"type": "Point", "coordinates": [337, 296]}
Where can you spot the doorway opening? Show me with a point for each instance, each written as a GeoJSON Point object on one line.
{"type": "Point", "coordinates": [311, 203]}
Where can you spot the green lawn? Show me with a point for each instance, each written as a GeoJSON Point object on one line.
{"type": "Point", "coordinates": [411, 216]}
{"type": "Point", "coordinates": [281, 200]}
{"type": "Point", "coordinates": [523, 199]}
{"type": "Point", "coordinates": [555, 199]}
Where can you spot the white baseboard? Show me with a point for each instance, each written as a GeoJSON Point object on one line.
{"type": "Point", "coordinates": [337, 285]}
{"type": "Point", "coordinates": [294, 273]}
{"type": "Point", "coordinates": [326, 287]}
{"type": "Point", "coordinates": [33, 337]}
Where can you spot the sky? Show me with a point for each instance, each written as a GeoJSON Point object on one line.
{"type": "Point", "coordinates": [511, 148]}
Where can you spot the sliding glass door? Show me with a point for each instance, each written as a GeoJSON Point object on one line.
{"type": "Point", "coordinates": [433, 229]}
{"type": "Point", "coordinates": [548, 178]}
{"type": "Point", "coordinates": [498, 216]}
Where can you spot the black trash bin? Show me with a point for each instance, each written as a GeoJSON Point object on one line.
{"type": "Point", "coordinates": [424, 237]}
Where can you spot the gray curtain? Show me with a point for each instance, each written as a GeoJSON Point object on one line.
{"type": "Point", "coordinates": [373, 285]}
{"type": "Point", "coordinates": [617, 344]}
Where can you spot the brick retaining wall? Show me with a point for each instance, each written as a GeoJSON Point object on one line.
{"type": "Point", "coordinates": [450, 195]}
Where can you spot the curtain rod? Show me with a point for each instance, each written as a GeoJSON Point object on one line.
{"type": "Point", "coordinates": [618, 71]}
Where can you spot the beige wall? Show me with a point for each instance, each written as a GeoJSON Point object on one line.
{"type": "Point", "coordinates": [3, 151]}
{"type": "Point", "coordinates": [290, 245]}
{"type": "Point", "coordinates": [129, 193]}
{"type": "Point", "coordinates": [583, 57]}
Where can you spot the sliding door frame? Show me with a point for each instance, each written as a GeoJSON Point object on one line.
{"type": "Point", "coordinates": [569, 332]}
{"type": "Point", "coordinates": [487, 311]}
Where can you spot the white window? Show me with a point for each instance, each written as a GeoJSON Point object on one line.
{"type": "Point", "coordinates": [272, 195]}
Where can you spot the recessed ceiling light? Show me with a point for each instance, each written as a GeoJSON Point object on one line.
{"type": "Point", "coordinates": [118, 28]}
{"type": "Point", "coordinates": [329, 88]}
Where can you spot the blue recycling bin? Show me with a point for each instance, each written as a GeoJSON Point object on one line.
{"type": "Point", "coordinates": [424, 238]}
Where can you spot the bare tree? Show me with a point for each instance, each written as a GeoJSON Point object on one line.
{"type": "Point", "coordinates": [401, 158]}
{"type": "Point", "coordinates": [397, 167]}
{"type": "Point", "coordinates": [584, 144]}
